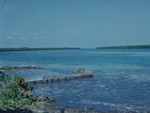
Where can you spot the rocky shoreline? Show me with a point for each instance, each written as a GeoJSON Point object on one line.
{"type": "Point", "coordinates": [46, 105]}
{"type": "Point", "coordinates": [20, 67]}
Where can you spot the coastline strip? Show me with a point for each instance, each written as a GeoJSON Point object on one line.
{"type": "Point", "coordinates": [20, 67]}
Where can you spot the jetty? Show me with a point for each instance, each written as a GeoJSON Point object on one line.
{"type": "Point", "coordinates": [78, 73]}
{"type": "Point", "coordinates": [58, 78]}
{"type": "Point", "coordinates": [20, 67]}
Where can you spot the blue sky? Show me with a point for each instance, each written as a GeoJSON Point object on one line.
{"type": "Point", "coordinates": [74, 23]}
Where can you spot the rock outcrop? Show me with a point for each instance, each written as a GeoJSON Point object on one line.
{"type": "Point", "coordinates": [81, 71]}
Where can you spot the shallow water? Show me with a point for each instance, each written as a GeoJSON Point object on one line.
{"type": "Point", "coordinates": [121, 77]}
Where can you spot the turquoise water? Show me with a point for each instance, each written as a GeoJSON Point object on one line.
{"type": "Point", "coordinates": [121, 77]}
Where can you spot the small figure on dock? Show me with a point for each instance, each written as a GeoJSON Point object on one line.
{"type": "Point", "coordinates": [75, 71]}
{"type": "Point", "coordinates": [81, 71]}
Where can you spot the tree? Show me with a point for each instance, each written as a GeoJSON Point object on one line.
{"type": "Point", "coordinates": [15, 92]}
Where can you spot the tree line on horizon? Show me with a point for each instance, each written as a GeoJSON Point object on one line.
{"type": "Point", "coordinates": [30, 49]}
{"type": "Point", "coordinates": [126, 47]}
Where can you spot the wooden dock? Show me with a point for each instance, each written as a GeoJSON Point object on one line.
{"type": "Point", "coordinates": [57, 78]}
{"type": "Point", "coordinates": [78, 73]}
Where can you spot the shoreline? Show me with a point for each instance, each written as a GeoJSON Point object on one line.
{"type": "Point", "coordinates": [51, 107]}
{"type": "Point", "coordinates": [47, 105]}
{"type": "Point", "coordinates": [20, 67]}
{"type": "Point", "coordinates": [126, 47]}
{"type": "Point", "coordinates": [33, 49]}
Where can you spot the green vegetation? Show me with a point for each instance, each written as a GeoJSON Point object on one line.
{"type": "Point", "coordinates": [14, 91]}
{"type": "Point", "coordinates": [126, 47]}
{"type": "Point", "coordinates": [29, 49]}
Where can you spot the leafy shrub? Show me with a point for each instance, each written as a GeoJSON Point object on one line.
{"type": "Point", "coordinates": [14, 91]}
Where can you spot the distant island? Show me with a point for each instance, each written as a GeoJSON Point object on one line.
{"type": "Point", "coordinates": [30, 49]}
{"type": "Point", "coordinates": [126, 47]}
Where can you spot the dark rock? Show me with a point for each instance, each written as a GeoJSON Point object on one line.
{"type": "Point", "coordinates": [34, 97]}
{"type": "Point", "coordinates": [50, 99]}
{"type": "Point", "coordinates": [81, 71]}
{"type": "Point", "coordinates": [40, 104]}
{"type": "Point", "coordinates": [41, 98]}
{"type": "Point", "coordinates": [62, 110]}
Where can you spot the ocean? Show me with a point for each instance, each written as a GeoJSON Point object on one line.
{"type": "Point", "coordinates": [121, 76]}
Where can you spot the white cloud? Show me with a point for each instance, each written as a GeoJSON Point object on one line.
{"type": "Point", "coordinates": [9, 37]}
{"type": "Point", "coordinates": [17, 34]}
{"type": "Point", "coordinates": [23, 38]}
{"type": "Point", "coordinates": [36, 33]}
{"type": "Point", "coordinates": [35, 38]}
{"type": "Point", "coordinates": [43, 37]}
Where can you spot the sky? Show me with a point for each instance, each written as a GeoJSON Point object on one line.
{"type": "Point", "coordinates": [74, 23]}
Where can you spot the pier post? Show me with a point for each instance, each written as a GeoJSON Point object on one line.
{"type": "Point", "coordinates": [34, 82]}
{"type": "Point", "coordinates": [47, 81]}
{"type": "Point", "coordinates": [57, 79]}
{"type": "Point", "coordinates": [65, 78]}
{"type": "Point", "coordinates": [52, 79]}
